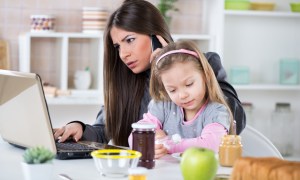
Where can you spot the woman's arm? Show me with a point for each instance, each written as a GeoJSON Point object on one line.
{"type": "Point", "coordinates": [229, 92]}
{"type": "Point", "coordinates": [95, 132]}
{"type": "Point", "coordinates": [210, 138]}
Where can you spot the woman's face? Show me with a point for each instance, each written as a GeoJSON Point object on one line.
{"type": "Point", "coordinates": [134, 49]}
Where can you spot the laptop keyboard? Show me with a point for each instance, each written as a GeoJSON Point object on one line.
{"type": "Point", "coordinates": [72, 146]}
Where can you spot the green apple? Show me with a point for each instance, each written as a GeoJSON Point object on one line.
{"type": "Point", "coordinates": [198, 164]}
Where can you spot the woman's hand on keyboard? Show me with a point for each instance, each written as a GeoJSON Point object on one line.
{"type": "Point", "coordinates": [72, 130]}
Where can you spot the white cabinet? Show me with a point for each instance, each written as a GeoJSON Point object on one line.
{"type": "Point", "coordinates": [56, 57]}
{"type": "Point", "coordinates": [258, 40]}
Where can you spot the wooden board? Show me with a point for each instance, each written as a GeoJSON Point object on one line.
{"type": "Point", "coordinates": [4, 55]}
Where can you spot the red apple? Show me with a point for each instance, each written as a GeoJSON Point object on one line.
{"type": "Point", "coordinates": [198, 164]}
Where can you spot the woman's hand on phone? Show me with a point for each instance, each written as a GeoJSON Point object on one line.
{"type": "Point", "coordinates": [163, 42]}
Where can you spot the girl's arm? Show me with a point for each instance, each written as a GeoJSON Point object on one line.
{"type": "Point", "coordinates": [148, 118]}
{"type": "Point", "coordinates": [210, 138]}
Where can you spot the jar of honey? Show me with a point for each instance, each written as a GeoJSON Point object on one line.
{"type": "Point", "coordinates": [138, 173]}
{"type": "Point", "coordinates": [143, 138]}
{"type": "Point", "coordinates": [230, 150]}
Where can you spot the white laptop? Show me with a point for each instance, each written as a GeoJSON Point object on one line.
{"type": "Point", "coordinates": [25, 120]}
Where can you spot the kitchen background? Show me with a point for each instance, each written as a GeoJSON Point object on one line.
{"type": "Point", "coordinates": [250, 44]}
{"type": "Point", "coordinates": [15, 17]}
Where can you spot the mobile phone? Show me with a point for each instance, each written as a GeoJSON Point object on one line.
{"type": "Point", "coordinates": [155, 42]}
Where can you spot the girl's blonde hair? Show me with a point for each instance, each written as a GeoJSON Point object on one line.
{"type": "Point", "coordinates": [213, 90]}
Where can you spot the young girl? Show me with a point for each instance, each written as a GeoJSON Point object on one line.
{"type": "Point", "coordinates": [187, 100]}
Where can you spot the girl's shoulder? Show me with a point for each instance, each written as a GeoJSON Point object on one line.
{"type": "Point", "coordinates": [215, 104]}
{"type": "Point", "coordinates": [161, 109]}
{"type": "Point", "coordinates": [213, 107]}
{"type": "Point", "coordinates": [216, 113]}
{"type": "Point", "coordinates": [163, 105]}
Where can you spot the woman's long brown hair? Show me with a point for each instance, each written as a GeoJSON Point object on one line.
{"type": "Point", "coordinates": [124, 90]}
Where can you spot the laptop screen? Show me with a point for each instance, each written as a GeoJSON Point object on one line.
{"type": "Point", "coordinates": [24, 117]}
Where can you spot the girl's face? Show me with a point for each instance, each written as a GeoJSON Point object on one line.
{"type": "Point", "coordinates": [185, 86]}
{"type": "Point", "coordinates": [134, 49]}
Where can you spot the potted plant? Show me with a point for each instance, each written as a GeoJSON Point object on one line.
{"type": "Point", "coordinates": [37, 163]}
{"type": "Point", "coordinates": [165, 6]}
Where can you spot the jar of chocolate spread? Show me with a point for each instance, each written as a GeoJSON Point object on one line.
{"type": "Point", "coordinates": [143, 138]}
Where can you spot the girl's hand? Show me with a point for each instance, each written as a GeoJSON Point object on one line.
{"type": "Point", "coordinates": [159, 134]}
{"type": "Point", "coordinates": [160, 149]}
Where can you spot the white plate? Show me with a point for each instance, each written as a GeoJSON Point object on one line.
{"type": "Point", "coordinates": [176, 156]}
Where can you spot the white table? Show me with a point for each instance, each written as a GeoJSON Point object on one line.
{"type": "Point", "coordinates": [83, 169]}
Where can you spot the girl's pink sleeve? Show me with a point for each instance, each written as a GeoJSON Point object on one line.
{"type": "Point", "coordinates": [210, 138]}
{"type": "Point", "coordinates": [149, 118]}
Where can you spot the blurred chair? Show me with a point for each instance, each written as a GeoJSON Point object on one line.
{"type": "Point", "coordinates": [255, 144]}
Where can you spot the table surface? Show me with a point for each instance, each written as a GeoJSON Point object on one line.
{"type": "Point", "coordinates": [11, 158]}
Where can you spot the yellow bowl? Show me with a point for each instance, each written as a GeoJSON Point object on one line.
{"type": "Point", "coordinates": [262, 6]}
{"type": "Point", "coordinates": [115, 162]}
{"type": "Point", "coordinates": [295, 7]}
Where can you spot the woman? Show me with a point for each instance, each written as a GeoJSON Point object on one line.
{"type": "Point", "coordinates": [127, 55]}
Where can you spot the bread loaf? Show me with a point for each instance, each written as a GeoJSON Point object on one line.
{"type": "Point", "coordinates": [268, 168]}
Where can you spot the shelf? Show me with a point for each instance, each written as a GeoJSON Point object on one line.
{"type": "Point", "coordinates": [70, 100]}
{"type": "Point", "coordinates": [77, 97]}
{"type": "Point", "coordinates": [61, 34]}
{"type": "Point", "coordinates": [259, 40]}
{"type": "Point", "coordinates": [64, 45]}
{"type": "Point", "coordinates": [63, 62]}
{"type": "Point", "coordinates": [262, 13]}
{"type": "Point", "coordinates": [268, 87]}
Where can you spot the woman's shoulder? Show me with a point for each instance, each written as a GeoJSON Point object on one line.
{"type": "Point", "coordinates": [212, 56]}
{"type": "Point", "coordinates": [215, 62]}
